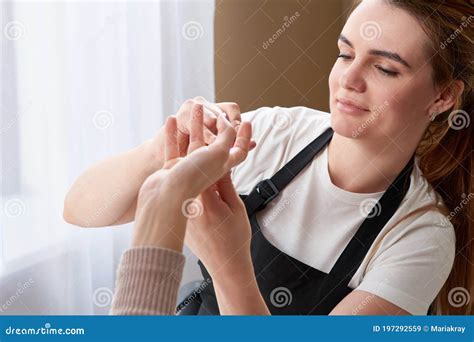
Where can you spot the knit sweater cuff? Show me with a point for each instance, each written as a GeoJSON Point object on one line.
{"type": "Point", "coordinates": [148, 280]}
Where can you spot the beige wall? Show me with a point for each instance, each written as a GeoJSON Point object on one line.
{"type": "Point", "coordinates": [291, 71]}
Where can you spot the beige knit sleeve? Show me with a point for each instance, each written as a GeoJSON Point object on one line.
{"type": "Point", "coordinates": [147, 282]}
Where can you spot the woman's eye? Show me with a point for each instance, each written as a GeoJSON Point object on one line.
{"type": "Point", "coordinates": [386, 72]}
{"type": "Point", "coordinates": [343, 56]}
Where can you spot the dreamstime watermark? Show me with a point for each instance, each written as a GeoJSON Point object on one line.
{"type": "Point", "coordinates": [14, 297]}
{"type": "Point", "coordinates": [194, 295]}
{"type": "Point", "coordinates": [11, 118]}
{"type": "Point", "coordinates": [375, 113]}
{"type": "Point", "coordinates": [370, 30]}
{"type": "Point", "coordinates": [288, 21]}
{"type": "Point", "coordinates": [458, 296]}
{"type": "Point", "coordinates": [5, 127]}
{"type": "Point", "coordinates": [466, 21]}
{"type": "Point", "coordinates": [281, 120]}
{"type": "Point", "coordinates": [370, 207]}
{"type": "Point", "coordinates": [14, 30]}
{"type": "Point", "coordinates": [465, 200]}
{"type": "Point", "coordinates": [368, 299]}
{"type": "Point", "coordinates": [109, 23]}
{"type": "Point", "coordinates": [102, 208]}
{"type": "Point", "coordinates": [192, 208]}
{"type": "Point", "coordinates": [280, 297]}
{"type": "Point", "coordinates": [192, 30]}
{"type": "Point", "coordinates": [103, 119]}
{"type": "Point", "coordinates": [102, 297]}
{"type": "Point", "coordinates": [458, 119]}
{"type": "Point", "coordinates": [46, 330]}
{"type": "Point", "coordinates": [282, 205]}
{"type": "Point", "coordinates": [14, 207]}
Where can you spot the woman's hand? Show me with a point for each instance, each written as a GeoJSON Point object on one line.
{"type": "Point", "coordinates": [220, 236]}
{"type": "Point", "coordinates": [219, 231]}
{"type": "Point", "coordinates": [160, 220]}
{"type": "Point", "coordinates": [183, 117]}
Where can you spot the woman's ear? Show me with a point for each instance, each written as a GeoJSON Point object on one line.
{"type": "Point", "coordinates": [447, 98]}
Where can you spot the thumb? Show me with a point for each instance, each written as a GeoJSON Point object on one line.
{"type": "Point", "coordinates": [227, 191]}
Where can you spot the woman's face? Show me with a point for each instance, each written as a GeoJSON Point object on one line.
{"type": "Point", "coordinates": [384, 70]}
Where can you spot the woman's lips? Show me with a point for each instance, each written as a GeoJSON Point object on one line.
{"type": "Point", "coordinates": [347, 106]}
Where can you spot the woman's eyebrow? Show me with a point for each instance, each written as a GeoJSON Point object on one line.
{"type": "Point", "coordinates": [387, 54]}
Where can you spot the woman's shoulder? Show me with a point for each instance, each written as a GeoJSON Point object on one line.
{"type": "Point", "coordinates": [424, 211]}
{"type": "Point", "coordinates": [422, 220]}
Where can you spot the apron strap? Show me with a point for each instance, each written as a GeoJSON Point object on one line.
{"type": "Point", "coordinates": [355, 251]}
{"type": "Point", "coordinates": [266, 190]}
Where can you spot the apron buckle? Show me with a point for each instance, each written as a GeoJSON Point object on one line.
{"type": "Point", "coordinates": [267, 191]}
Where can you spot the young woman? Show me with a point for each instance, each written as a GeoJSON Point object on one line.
{"type": "Point", "coordinates": [364, 211]}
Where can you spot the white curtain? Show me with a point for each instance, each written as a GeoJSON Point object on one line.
{"type": "Point", "coordinates": [81, 82]}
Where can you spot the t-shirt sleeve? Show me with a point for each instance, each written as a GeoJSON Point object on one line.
{"type": "Point", "coordinates": [413, 269]}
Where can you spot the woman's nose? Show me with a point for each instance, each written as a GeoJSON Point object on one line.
{"type": "Point", "coordinates": [352, 79]}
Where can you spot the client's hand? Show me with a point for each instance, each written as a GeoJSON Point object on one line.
{"type": "Point", "coordinates": [184, 121]}
{"type": "Point", "coordinates": [219, 233]}
{"type": "Point", "coordinates": [160, 216]}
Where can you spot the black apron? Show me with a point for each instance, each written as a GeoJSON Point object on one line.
{"type": "Point", "coordinates": [288, 286]}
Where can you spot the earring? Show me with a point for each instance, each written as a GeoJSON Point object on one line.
{"type": "Point", "coordinates": [433, 116]}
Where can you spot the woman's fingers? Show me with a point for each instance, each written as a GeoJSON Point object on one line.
{"type": "Point", "coordinates": [209, 198]}
{"type": "Point", "coordinates": [210, 120]}
{"type": "Point", "coordinates": [225, 135]}
{"type": "Point", "coordinates": [235, 117]}
{"type": "Point", "coordinates": [212, 111]}
{"type": "Point", "coordinates": [171, 139]}
{"type": "Point", "coordinates": [209, 137]}
{"type": "Point", "coordinates": [241, 147]}
{"type": "Point", "coordinates": [196, 136]}
{"type": "Point", "coordinates": [210, 106]}
{"type": "Point", "coordinates": [227, 191]}
{"type": "Point", "coordinates": [232, 110]}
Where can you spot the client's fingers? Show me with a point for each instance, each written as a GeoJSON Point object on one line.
{"type": "Point", "coordinates": [232, 110]}
{"type": "Point", "coordinates": [234, 115]}
{"type": "Point", "coordinates": [239, 151]}
{"type": "Point", "coordinates": [227, 191]}
{"type": "Point", "coordinates": [225, 135]}
{"type": "Point", "coordinates": [210, 120]}
{"type": "Point", "coordinates": [211, 112]}
{"type": "Point", "coordinates": [209, 137]}
{"type": "Point", "coordinates": [171, 139]}
{"type": "Point", "coordinates": [196, 137]}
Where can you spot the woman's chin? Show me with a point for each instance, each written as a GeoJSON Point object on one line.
{"type": "Point", "coordinates": [347, 126]}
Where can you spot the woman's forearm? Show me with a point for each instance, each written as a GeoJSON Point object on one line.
{"type": "Point", "coordinates": [237, 293]}
{"type": "Point", "coordinates": [106, 193]}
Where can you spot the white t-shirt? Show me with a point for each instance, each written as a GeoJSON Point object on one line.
{"type": "Point", "coordinates": [313, 220]}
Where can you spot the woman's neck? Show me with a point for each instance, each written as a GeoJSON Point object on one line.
{"type": "Point", "coordinates": [361, 166]}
